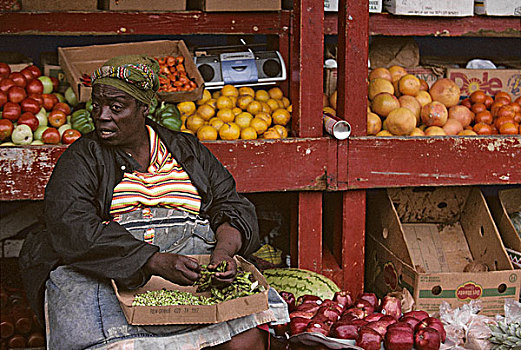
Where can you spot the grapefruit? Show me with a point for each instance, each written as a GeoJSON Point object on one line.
{"type": "Point", "coordinates": [383, 103]}
{"type": "Point", "coordinates": [400, 121]}
{"type": "Point", "coordinates": [380, 72]}
{"type": "Point", "coordinates": [445, 91]}
{"type": "Point", "coordinates": [207, 133]}
{"type": "Point", "coordinates": [434, 114]}
{"type": "Point", "coordinates": [379, 85]}
{"type": "Point", "coordinates": [230, 131]}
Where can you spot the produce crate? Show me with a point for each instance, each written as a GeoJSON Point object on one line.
{"type": "Point", "coordinates": [234, 5]}
{"type": "Point", "coordinates": [497, 8]}
{"type": "Point", "coordinates": [422, 239]}
{"type": "Point", "coordinates": [138, 5]}
{"type": "Point", "coordinates": [488, 80]}
{"type": "Point", "coordinates": [375, 6]}
{"type": "Point", "coordinates": [59, 5]}
{"type": "Point", "coordinates": [507, 202]}
{"type": "Point", "coordinates": [446, 8]}
{"type": "Point", "coordinates": [76, 61]}
{"type": "Point", "coordinates": [188, 314]}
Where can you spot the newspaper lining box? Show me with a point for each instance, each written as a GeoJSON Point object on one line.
{"type": "Point", "coordinates": [76, 61]}
{"type": "Point", "coordinates": [190, 314]}
{"type": "Point", "coordinates": [423, 238]}
{"type": "Point", "coordinates": [446, 8]}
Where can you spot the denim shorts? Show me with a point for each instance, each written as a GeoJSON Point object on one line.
{"type": "Point", "coordinates": [82, 311]}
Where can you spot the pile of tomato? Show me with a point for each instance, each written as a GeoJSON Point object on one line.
{"type": "Point", "coordinates": [173, 76]}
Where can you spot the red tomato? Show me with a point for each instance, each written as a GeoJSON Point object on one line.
{"type": "Point", "coordinates": [34, 70]}
{"type": "Point", "coordinates": [16, 94]}
{"type": "Point", "coordinates": [6, 84]}
{"type": "Point", "coordinates": [57, 118]}
{"type": "Point", "coordinates": [49, 100]}
{"type": "Point", "coordinates": [62, 106]}
{"type": "Point", "coordinates": [70, 135]}
{"type": "Point", "coordinates": [27, 74]}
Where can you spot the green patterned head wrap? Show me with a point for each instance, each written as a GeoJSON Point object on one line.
{"type": "Point", "coordinates": [136, 75]}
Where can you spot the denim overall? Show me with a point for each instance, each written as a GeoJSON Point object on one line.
{"type": "Point", "coordinates": [82, 312]}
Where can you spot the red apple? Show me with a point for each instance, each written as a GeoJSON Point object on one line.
{"type": "Point", "coordinates": [34, 70]}
{"type": "Point", "coordinates": [308, 307]}
{"type": "Point", "coordinates": [303, 314]}
{"type": "Point", "coordinates": [411, 321]}
{"type": "Point", "coordinates": [368, 338]}
{"type": "Point", "coordinates": [371, 298]}
{"type": "Point", "coordinates": [432, 322]}
{"type": "Point", "coordinates": [330, 312]}
{"type": "Point", "coordinates": [398, 339]}
{"type": "Point", "coordinates": [37, 97]}
{"type": "Point", "coordinates": [16, 94]}
{"type": "Point", "coordinates": [317, 327]}
{"type": "Point", "coordinates": [6, 129]}
{"type": "Point", "coordinates": [27, 74]}
{"type": "Point", "coordinates": [30, 104]}
{"type": "Point", "coordinates": [62, 106]}
{"type": "Point", "coordinates": [322, 318]}
{"type": "Point", "coordinates": [289, 298]}
{"type": "Point", "coordinates": [70, 135]}
{"type": "Point", "coordinates": [55, 83]}
{"type": "Point", "coordinates": [344, 330]}
{"type": "Point", "coordinates": [427, 339]}
{"type": "Point", "coordinates": [280, 329]}
{"type": "Point", "coordinates": [5, 70]}
{"type": "Point", "coordinates": [3, 98]}
{"type": "Point", "coordinates": [391, 306]}
{"type": "Point", "coordinates": [344, 298]}
{"type": "Point", "coordinates": [34, 86]}
{"type": "Point", "coordinates": [29, 119]}
{"type": "Point", "coordinates": [19, 79]}
{"type": "Point", "coordinates": [49, 100]}
{"type": "Point", "coordinates": [297, 324]}
{"type": "Point", "coordinates": [365, 306]}
{"type": "Point", "coordinates": [381, 325]}
{"type": "Point", "coordinates": [329, 302]}
{"type": "Point", "coordinates": [51, 136]}
{"type": "Point", "coordinates": [374, 317]}
{"type": "Point", "coordinates": [400, 324]}
{"type": "Point", "coordinates": [356, 312]}
{"type": "Point", "coordinates": [418, 314]}
{"type": "Point", "coordinates": [308, 298]}
{"type": "Point", "coordinates": [12, 111]}
{"type": "Point", "coordinates": [6, 84]}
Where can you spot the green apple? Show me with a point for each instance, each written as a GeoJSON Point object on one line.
{"type": "Point", "coordinates": [37, 143]}
{"type": "Point", "coordinates": [37, 134]}
{"type": "Point", "coordinates": [60, 96]}
{"type": "Point", "coordinates": [47, 84]}
{"type": "Point", "coordinates": [6, 144]}
{"type": "Point", "coordinates": [22, 135]}
{"type": "Point", "coordinates": [42, 117]}
{"type": "Point", "coordinates": [70, 96]}
{"type": "Point", "coordinates": [64, 127]}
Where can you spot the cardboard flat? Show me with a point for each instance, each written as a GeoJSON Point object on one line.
{"type": "Point", "coordinates": [234, 5]}
{"type": "Point", "coordinates": [446, 8]}
{"type": "Point", "coordinates": [497, 8]}
{"type": "Point", "coordinates": [488, 80]}
{"type": "Point", "coordinates": [76, 61]}
{"type": "Point", "coordinates": [190, 314]}
{"type": "Point", "coordinates": [59, 5]}
{"type": "Point", "coordinates": [138, 5]}
{"type": "Point", "coordinates": [422, 239]}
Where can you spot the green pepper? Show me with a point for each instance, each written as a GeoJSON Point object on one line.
{"type": "Point", "coordinates": [153, 106]}
{"type": "Point", "coordinates": [88, 105]}
{"type": "Point", "coordinates": [81, 120]}
{"type": "Point", "coordinates": [169, 116]}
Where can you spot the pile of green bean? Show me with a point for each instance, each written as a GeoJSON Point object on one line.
{"type": "Point", "coordinates": [242, 285]}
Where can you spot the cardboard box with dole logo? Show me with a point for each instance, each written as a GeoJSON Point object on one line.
{"type": "Point", "coordinates": [488, 80]}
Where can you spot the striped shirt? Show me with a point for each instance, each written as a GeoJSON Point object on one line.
{"type": "Point", "coordinates": [165, 184]}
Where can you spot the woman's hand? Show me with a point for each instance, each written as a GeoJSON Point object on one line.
{"type": "Point", "coordinates": [176, 268]}
{"type": "Point", "coordinates": [229, 242]}
{"type": "Point", "coordinates": [226, 277]}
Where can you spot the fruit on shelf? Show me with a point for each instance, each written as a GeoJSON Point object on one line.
{"type": "Point", "coordinates": [22, 135]}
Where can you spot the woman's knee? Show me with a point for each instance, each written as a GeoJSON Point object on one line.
{"type": "Point", "coordinates": [252, 339]}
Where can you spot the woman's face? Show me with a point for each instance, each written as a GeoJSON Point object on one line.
{"type": "Point", "coordinates": [119, 118]}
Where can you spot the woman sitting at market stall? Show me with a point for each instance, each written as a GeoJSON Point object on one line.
{"type": "Point", "coordinates": [128, 201]}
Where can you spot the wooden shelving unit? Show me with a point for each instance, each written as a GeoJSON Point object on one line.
{"type": "Point", "coordinates": [308, 163]}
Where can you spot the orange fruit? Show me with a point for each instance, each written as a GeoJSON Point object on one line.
{"type": "Point", "coordinates": [236, 111]}
{"type": "Point", "coordinates": [409, 85]}
{"type": "Point", "coordinates": [502, 95]}
{"type": "Point", "coordinates": [260, 125]}
{"type": "Point", "coordinates": [265, 107]}
{"type": "Point", "coordinates": [383, 103]}
{"type": "Point", "coordinates": [271, 133]}
{"type": "Point", "coordinates": [273, 104]}
{"type": "Point", "coordinates": [206, 96]}
{"type": "Point", "coordinates": [207, 133]}
{"type": "Point", "coordinates": [477, 96]}
{"type": "Point", "coordinates": [281, 130]}
{"type": "Point", "coordinates": [262, 95]}
{"type": "Point", "coordinates": [254, 107]}
{"type": "Point", "coordinates": [281, 116]}
{"type": "Point", "coordinates": [243, 120]}
{"type": "Point", "coordinates": [275, 93]}
{"type": "Point", "coordinates": [248, 133]}
{"type": "Point", "coordinates": [265, 116]}
{"type": "Point", "coordinates": [379, 85]}
{"type": "Point", "coordinates": [230, 131]}
{"type": "Point", "coordinates": [187, 107]}
{"type": "Point", "coordinates": [423, 97]}
{"type": "Point", "coordinates": [397, 72]}
{"type": "Point", "coordinates": [216, 94]}
{"type": "Point", "coordinates": [224, 102]}
{"type": "Point", "coordinates": [243, 101]}
{"type": "Point", "coordinates": [285, 102]}
{"type": "Point", "coordinates": [205, 111]}
{"type": "Point", "coordinates": [380, 72]}
{"type": "Point", "coordinates": [194, 122]}
{"type": "Point", "coordinates": [246, 90]}
{"type": "Point", "coordinates": [216, 123]}
{"type": "Point", "coordinates": [226, 115]}
{"type": "Point", "coordinates": [229, 90]}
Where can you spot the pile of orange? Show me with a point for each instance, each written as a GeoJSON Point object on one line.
{"type": "Point", "coordinates": [234, 113]}
{"type": "Point", "coordinates": [497, 114]}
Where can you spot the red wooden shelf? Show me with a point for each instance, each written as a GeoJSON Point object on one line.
{"type": "Point", "coordinates": [111, 23]}
{"type": "Point", "coordinates": [434, 161]}
{"type": "Point", "coordinates": [291, 164]}
{"type": "Point", "coordinates": [478, 26]}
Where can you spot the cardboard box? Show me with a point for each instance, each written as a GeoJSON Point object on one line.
{"type": "Point", "coordinates": [76, 61]}
{"type": "Point", "coordinates": [234, 5]}
{"type": "Point", "coordinates": [446, 8]}
{"type": "Point", "coordinates": [51, 70]}
{"type": "Point", "coordinates": [429, 74]}
{"type": "Point", "coordinates": [188, 314]}
{"type": "Point", "coordinates": [505, 203]}
{"type": "Point", "coordinates": [497, 8]}
{"type": "Point", "coordinates": [422, 239]}
{"type": "Point", "coordinates": [375, 6]}
{"type": "Point", "coordinates": [138, 5]}
{"type": "Point", "coordinates": [488, 80]}
{"type": "Point", "coordinates": [59, 5]}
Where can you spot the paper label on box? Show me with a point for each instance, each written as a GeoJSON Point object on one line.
{"type": "Point", "coordinates": [430, 7]}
